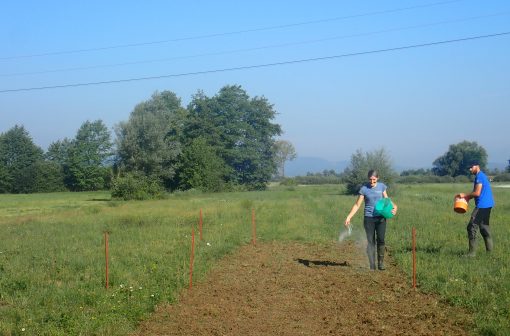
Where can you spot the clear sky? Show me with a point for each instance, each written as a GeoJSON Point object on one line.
{"type": "Point", "coordinates": [363, 82]}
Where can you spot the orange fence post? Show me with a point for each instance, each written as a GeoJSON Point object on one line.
{"type": "Point", "coordinates": [200, 224]}
{"type": "Point", "coordinates": [106, 256]}
{"type": "Point", "coordinates": [192, 257]}
{"type": "Point", "coordinates": [253, 227]}
{"type": "Point", "coordinates": [414, 257]}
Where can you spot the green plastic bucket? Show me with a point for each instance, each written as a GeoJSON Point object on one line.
{"type": "Point", "coordinates": [383, 208]}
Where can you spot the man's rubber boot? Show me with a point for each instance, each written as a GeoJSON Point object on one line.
{"type": "Point", "coordinates": [472, 248]}
{"type": "Point", "coordinates": [380, 258]}
{"type": "Point", "coordinates": [488, 243]}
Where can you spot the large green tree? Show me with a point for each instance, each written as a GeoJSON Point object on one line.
{"type": "Point", "coordinates": [241, 131]}
{"type": "Point", "coordinates": [58, 151]}
{"type": "Point", "coordinates": [361, 163]}
{"type": "Point", "coordinates": [51, 177]}
{"type": "Point", "coordinates": [201, 168]}
{"type": "Point", "coordinates": [149, 142]}
{"type": "Point", "coordinates": [86, 157]}
{"type": "Point", "coordinates": [456, 161]}
{"type": "Point", "coordinates": [5, 179]}
{"type": "Point", "coordinates": [58, 154]}
{"type": "Point", "coordinates": [18, 156]}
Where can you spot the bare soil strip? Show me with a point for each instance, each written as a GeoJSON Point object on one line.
{"type": "Point", "coordinates": [302, 289]}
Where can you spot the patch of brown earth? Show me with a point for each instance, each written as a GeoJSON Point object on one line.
{"type": "Point", "coordinates": [302, 289]}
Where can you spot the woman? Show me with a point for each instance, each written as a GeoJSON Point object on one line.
{"type": "Point", "coordinates": [375, 225]}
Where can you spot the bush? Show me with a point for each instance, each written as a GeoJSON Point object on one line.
{"type": "Point", "coordinates": [136, 187]}
{"type": "Point", "coordinates": [461, 179]}
{"type": "Point", "coordinates": [412, 179]}
{"type": "Point", "coordinates": [318, 179]}
{"type": "Point", "coordinates": [502, 177]}
{"type": "Point", "coordinates": [415, 179]}
{"type": "Point", "coordinates": [288, 182]}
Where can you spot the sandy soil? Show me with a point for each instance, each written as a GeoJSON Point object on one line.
{"type": "Point", "coordinates": [300, 289]}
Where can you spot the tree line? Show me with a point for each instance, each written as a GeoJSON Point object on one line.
{"type": "Point", "coordinates": [223, 142]}
{"type": "Point", "coordinates": [452, 166]}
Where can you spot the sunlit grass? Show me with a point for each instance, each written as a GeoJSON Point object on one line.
{"type": "Point", "coordinates": [52, 276]}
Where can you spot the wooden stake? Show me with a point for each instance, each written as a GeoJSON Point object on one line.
{"type": "Point", "coordinates": [414, 257]}
{"type": "Point", "coordinates": [106, 257]}
{"type": "Point", "coordinates": [192, 257]}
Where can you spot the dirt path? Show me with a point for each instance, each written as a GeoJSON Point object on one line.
{"type": "Point", "coordinates": [298, 289]}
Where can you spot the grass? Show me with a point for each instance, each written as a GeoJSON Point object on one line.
{"type": "Point", "coordinates": [479, 284]}
{"type": "Point", "coordinates": [52, 277]}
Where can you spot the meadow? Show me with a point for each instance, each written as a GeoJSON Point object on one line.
{"type": "Point", "coordinates": [52, 251]}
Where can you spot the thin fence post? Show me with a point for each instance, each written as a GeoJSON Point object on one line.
{"type": "Point", "coordinates": [106, 258]}
{"type": "Point", "coordinates": [192, 257]}
{"type": "Point", "coordinates": [414, 257]}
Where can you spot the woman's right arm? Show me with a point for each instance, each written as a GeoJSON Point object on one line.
{"type": "Point", "coordinates": [354, 209]}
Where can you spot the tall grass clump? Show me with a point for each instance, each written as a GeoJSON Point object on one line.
{"type": "Point", "coordinates": [136, 187]}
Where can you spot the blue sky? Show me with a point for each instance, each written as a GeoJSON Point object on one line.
{"type": "Point", "coordinates": [414, 101]}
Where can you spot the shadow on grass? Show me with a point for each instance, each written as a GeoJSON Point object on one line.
{"type": "Point", "coordinates": [458, 253]}
{"type": "Point", "coordinates": [425, 249]}
{"type": "Point", "coordinates": [307, 262]}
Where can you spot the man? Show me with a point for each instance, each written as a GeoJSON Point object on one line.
{"type": "Point", "coordinates": [480, 217]}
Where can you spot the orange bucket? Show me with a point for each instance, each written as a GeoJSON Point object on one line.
{"type": "Point", "coordinates": [460, 205]}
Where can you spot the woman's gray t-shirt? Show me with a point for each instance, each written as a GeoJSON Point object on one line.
{"type": "Point", "coordinates": [372, 195]}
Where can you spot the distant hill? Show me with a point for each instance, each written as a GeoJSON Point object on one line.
{"type": "Point", "coordinates": [303, 165]}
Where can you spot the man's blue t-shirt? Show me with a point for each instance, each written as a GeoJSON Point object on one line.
{"type": "Point", "coordinates": [372, 195]}
{"type": "Point", "coordinates": [485, 200]}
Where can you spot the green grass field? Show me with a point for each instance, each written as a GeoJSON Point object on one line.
{"type": "Point", "coordinates": [52, 260]}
